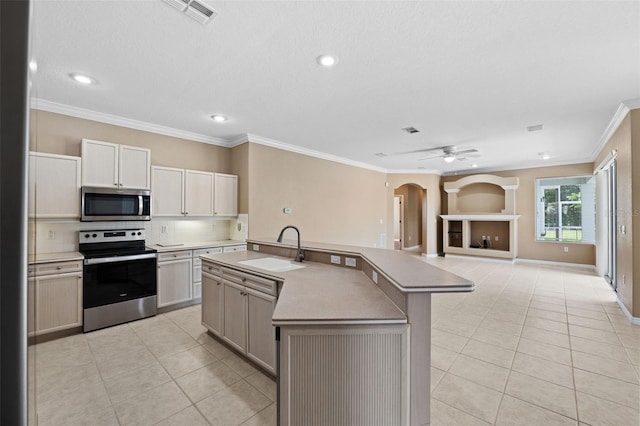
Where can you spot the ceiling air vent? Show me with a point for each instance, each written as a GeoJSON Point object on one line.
{"type": "Point", "coordinates": [535, 128]}
{"type": "Point", "coordinates": [195, 9]}
{"type": "Point", "coordinates": [410, 129]}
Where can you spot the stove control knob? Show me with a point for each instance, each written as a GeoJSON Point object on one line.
{"type": "Point", "coordinates": [133, 233]}
{"type": "Point", "coordinates": [139, 233]}
{"type": "Point", "coordinates": [87, 235]}
{"type": "Point", "coordinates": [95, 235]}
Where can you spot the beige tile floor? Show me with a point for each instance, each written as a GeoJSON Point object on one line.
{"type": "Point", "coordinates": [533, 345]}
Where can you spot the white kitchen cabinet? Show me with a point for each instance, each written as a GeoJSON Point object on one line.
{"type": "Point", "coordinates": [197, 268]}
{"type": "Point", "coordinates": [261, 335]}
{"type": "Point", "coordinates": [226, 195]}
{"type": "Point", "coordinates": [213, 298]}
{"type": "Point", "coordinates": [235, 315]}
{"type": "Point", "coordinates": [167, 191]}
{"type": "Point", "coordinates": [54, 186]}
{"type": "Point", "coordinates": [238, 307]}
{"type": "Point", "coordinates": [111, 165]}
{"type": "Point", "coordinates": [198, 199]}
{"type": "Point", "coordinates": [174, 277]}
{"type": "Point", "coordinates": [54, 296]}
{"type": "Point", "coordinates": [179, 192]}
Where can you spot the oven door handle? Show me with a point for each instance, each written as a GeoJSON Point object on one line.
{"type": "Point", "coordinates": [119, 258]}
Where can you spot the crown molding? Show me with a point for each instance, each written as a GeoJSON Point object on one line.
{"type": "Point", "coordinates": [621, 112]}
{"type": "Point", "coordinates": [309, 152]}
{"type": "Point", "coordinates": [522, 166]}
{"type": "Point", "coordinates": [49, 106]}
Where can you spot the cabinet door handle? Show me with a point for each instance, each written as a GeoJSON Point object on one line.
{"type": "Point", "coordinates": [115, 184]}
{"type": "Point", "coordinates": [186, 212]}
{"type": "Point", "coordinates": [58, 267]}
{"type": "Point", "coordinates": [217, 283]}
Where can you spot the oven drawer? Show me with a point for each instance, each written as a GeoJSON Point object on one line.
{"type": "Point", "coordinates": [55, 268]}
{"type": "Point", "coordinates": [174, 255]}
{"type": "Point", "coordinates": [258, 283]}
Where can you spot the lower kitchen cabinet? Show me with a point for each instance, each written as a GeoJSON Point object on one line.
{"type": "Point", "coordinates": [55, 299]}
{"type": "Point", "coordinates": [213, 299]}
{"type": "Point", "coordinates": [235, 316]}
{"type": "Point", "coordinates": [238, 308]}
{"type": "Point", "coordinates": [174, 278]}
{"type": "Point", "coordinates": [261, 335]}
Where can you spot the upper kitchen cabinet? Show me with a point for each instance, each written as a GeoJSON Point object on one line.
{"type": "Point", "coordinates": [179, 192]}
{"type": "Point", "coordinates": [107, 165]}
{"type": "Point", "coordinates": [226, 195]}
{"type": "Point", "coordinates": [54, 186]}
{"type": "Point", "coordinates": [168, 191]}
{"type": "Point", "coordinates": [198, 194]}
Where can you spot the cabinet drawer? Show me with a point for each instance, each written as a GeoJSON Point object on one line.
{"type": "Point", "coordinates": [209, 250]}
{"type": "Point", "coordinates": [229, 249]}
{"type": "Point", "coordinates": [211, 268]}
{"type": "Point", "coordinates": [55, 268]}
{"type": "Point", "coordinates": [258, 283]}
{"type": "Point", "coordinates": [174, 255]}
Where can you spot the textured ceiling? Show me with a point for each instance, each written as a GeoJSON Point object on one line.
{"type": "Point", "coordinates": [469, 74]}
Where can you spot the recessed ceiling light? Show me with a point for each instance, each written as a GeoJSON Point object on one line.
{"type": "Point", "coordinates": [219, 118]}
{"type": "Point", "coordinates": [82, 79]}
{"type": "Point", "coordinates": [327, 60]}
{"type": "Point", "coordinates": [474, 165]}
{"type": "Point", "coordinates": [544, 155]}
{"type": "Point", "coordinates": [33, 65]}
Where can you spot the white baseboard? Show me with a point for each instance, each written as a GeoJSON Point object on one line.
{"type": "Point", "coordinates": [411, 248]}
{"type": "Point", "coordinates": [551, 263]}
{"type": "Point", "coordinates": [481, 259]}
{"type": "Point", "coordinates": [430, 254]}
{"type": "Point", "coordinates": [634, 320]}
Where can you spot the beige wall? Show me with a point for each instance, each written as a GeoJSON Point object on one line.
{"type": "Point", "coordinates": [481, 198]}
{"type": "Point", "coordinates": [62, 134]}
{"type": "Point", "coordinates": [240, 167]}
{"type": "Point", "coordinates": [330, 202]}
{"type": "Point", "coordinates": [431, 207]}
{"type": "Point", "coordinates": [623, 140]}
{"type": "Point", "coordinates": [528, 246]}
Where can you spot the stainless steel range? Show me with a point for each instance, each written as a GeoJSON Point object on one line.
{"type": "Point", "coordinates": [119, 277]}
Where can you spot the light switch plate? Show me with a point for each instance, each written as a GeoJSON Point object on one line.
{"type": "Point", "coordinates": [256, 247]}
{"type": "Point", "coordinates": [374, 277]}
{"type": "Point", "coordinates": [350, 261]}
{"type": "Point", "coordinates": [335, 259]}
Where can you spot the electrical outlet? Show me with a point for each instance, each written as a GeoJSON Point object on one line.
{"type": "Point", "coordinates": [623, 279]}
{"type": "Point", "coordinates": [256, 247]}
{"type": "Point", "coordinates": [566, 249]}
{"type": "Point", "coordinates": [497, 238]}
{"type": "Point", "coordinates": [239, 226]}
{"type": "Point", "coordinates": [335, 259]}
{"type": "Point", "coordinates": [350, 261]}
{"type": "Point", "coordinates": [374, 277]}
{"type": "Point", "coordinates": [163, 229]}
{"type": "Point", "coordinates": [484, 237]}
{"type": "Point", "coordinates": [488, 237]}
{"type": "Point", "coordinates": [51, 234]}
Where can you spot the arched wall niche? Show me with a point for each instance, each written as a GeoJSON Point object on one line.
{"type": "Point", "coordinates": [482, 194]}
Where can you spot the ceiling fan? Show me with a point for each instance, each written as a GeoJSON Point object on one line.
{"type": "Point", "coordinates": [449, 153]}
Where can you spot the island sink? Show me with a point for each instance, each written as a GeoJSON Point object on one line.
{"type": "Point", "coordinates": [271, 264]}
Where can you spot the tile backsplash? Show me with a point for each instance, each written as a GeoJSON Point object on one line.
{"type": "Point", "coordinates": [62, 236]}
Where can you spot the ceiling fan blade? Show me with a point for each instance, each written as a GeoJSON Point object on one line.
{"type": "Point", "coordinates": [466, 151]}
{"type": "Point", "coordinates": [430, 157]}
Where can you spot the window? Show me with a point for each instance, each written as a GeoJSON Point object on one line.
{"type": "Point", "coordinates": [565, 209]}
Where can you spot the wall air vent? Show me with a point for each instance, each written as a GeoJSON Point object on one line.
{"type": "Point", "coordinates": [380, 154]}
{"type": "Point", "coordinates": [410, 129]}
{"type": "Point", "coordinates": [195, 9]}
{"type": "Point", "coordinates": [534, 128]}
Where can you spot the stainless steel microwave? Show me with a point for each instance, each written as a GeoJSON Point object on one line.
{"type": "Point", "coordinates": [112, 204]}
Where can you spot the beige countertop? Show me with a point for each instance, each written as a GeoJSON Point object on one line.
{"type": "Point", "coordinates": [407, 272]}
{"type": "Point", "coordinates": [194, 246]}
{"type": "Point", "coordinates": [55, 257]}
{"type": "Point", "coordinates": [320, 293]}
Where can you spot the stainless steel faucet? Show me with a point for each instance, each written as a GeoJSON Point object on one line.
{"type": "Point", "coordinates": [300, 255]}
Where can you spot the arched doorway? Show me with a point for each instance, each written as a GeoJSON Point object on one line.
{"type": "Point", "coordinates": [409, 217]}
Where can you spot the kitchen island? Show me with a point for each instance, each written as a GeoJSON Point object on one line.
{"type": "Point", "coordinates": [353, 327]}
